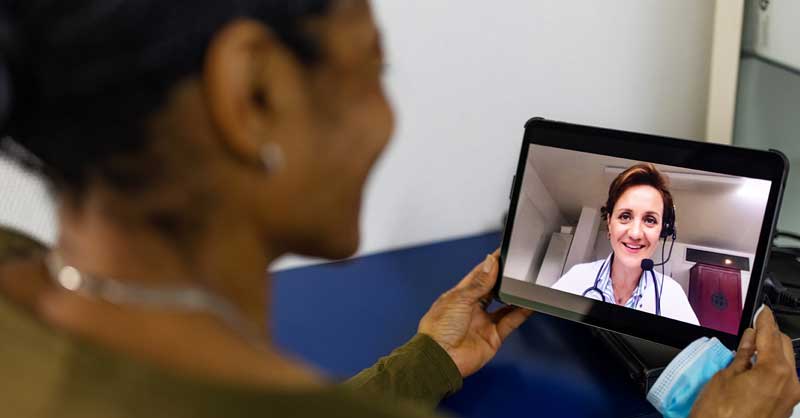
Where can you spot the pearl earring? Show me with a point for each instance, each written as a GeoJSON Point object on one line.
{"type": "Point", "coordinates": [272, 157]}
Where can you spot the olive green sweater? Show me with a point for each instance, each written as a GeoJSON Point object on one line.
{"type": "Point", "coordinates": [46, 374]}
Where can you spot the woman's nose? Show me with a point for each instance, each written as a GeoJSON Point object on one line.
{"type": "Point", "coordinates": [635, 231]}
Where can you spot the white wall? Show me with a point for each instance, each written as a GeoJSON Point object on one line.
{"type": "Point", "coordinates": [536, 219]}
{"type": "Point", "coordinates": [527, 242]}
{"type": "Point", "coordinates": [585, 237]}
{"type": "Point", "coordinates": [466, 75]}
{"type": "Point", "coordinates": [552, 266]}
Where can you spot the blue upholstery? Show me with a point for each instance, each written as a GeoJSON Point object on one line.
{"type": "Point", "coordinates": [343, 316]}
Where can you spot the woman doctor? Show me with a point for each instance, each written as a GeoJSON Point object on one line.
{"type": "Point", "coordinates": [639, 211]}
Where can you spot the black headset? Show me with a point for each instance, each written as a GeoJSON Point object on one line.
{"type": "Point", "coordinates": [668, 229]}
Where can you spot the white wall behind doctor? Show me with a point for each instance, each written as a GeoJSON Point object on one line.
{"type": "Point", "coordinates": [466, 75]}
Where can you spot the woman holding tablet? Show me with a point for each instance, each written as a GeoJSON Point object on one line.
{"type": "Point", "coordinates": [187, 146]}
{"type": "Point", "coordinates": [639, 212]}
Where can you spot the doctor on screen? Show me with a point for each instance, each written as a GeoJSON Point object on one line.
{"type": "Point", "coordinates": [639, 212]}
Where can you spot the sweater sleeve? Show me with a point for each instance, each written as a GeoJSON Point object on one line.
{"type": "Point", "coordinates": [419, 371]}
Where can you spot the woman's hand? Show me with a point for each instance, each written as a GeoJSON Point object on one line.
{"type": "Point", "coordinates": [768, 389]}
{"type": "Point", "coordinates": [459, 322]}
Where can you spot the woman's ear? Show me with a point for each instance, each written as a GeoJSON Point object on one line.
{"type": "Point", "coordinates": [249, 79]}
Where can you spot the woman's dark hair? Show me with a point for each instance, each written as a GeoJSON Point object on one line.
{"type": "Point", "coordinates": [79, 78]}
{"type": "Point", "coordinates": [638, 175]}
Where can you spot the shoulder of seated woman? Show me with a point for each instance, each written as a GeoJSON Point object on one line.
{"type": "Point", "coordinates": [22, 271]}
{"type": "Point", "coordinates": [15, 245]}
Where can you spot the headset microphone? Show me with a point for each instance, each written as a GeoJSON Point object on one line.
{"type": "Point", "coordinates": [647, 264]}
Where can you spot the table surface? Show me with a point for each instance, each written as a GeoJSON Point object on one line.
{"type": "Point", "coordinates": [343, 316]}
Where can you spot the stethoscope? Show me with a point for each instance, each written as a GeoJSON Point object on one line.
{"type": "Point", "coordinates": [594, 287]}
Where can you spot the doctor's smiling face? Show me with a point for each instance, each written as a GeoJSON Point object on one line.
{"type": "Point", "coordinates": [634, 225]}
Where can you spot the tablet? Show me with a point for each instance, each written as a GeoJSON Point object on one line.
{"type": "Point", "coordinates": [658, 238]}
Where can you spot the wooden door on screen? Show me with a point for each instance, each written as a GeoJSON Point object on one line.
{"type": "Point", "coordinates": [715, 294]}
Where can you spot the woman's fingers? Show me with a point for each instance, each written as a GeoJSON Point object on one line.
{"type": "Point", "coordinates": [501, 313]}
{"type": "Point", "coordinates": [747, 347]}
{"type": "Point", "coordinates": [768, 338]}
{"type": "Point", "coordinates": [509, 318]}
{"type": "Point", "coordinates": [788, 350]}
{"type": "Point", "coordinates": [480, 281]}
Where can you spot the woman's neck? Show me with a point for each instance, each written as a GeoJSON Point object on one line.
{"type": "Point", "coordinates": [624, 280]}
{"type": "Point", "coordinates": [227, 258]}
{"type": "Point", "coordinates": [224, 257]}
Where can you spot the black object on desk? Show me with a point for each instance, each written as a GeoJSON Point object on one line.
{"type": "Point", "coordinates": [644, 360]}
{"type": "Point", "coordinates": [782, 289]}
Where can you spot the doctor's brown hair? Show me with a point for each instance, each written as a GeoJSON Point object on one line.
{"type": "Point", "coordinates": [644, 174]}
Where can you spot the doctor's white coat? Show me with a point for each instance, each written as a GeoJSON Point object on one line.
{"type": "Point", "coordinates": [674, 303]}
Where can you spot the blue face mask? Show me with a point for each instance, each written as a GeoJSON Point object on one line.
{"type": "Point", "coordinates": [679, 384]}
{"type": "Point", "coordinates": [677, 388]}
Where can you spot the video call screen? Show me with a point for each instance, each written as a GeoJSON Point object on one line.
{"type": "Point", "coordinates": [665, 240]}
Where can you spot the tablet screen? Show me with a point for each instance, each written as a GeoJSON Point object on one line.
{"type": "Point", "coordinates": [668, 241]}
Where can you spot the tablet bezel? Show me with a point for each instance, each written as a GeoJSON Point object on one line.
{"type": "Point", "coordinates": [767, 165]}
